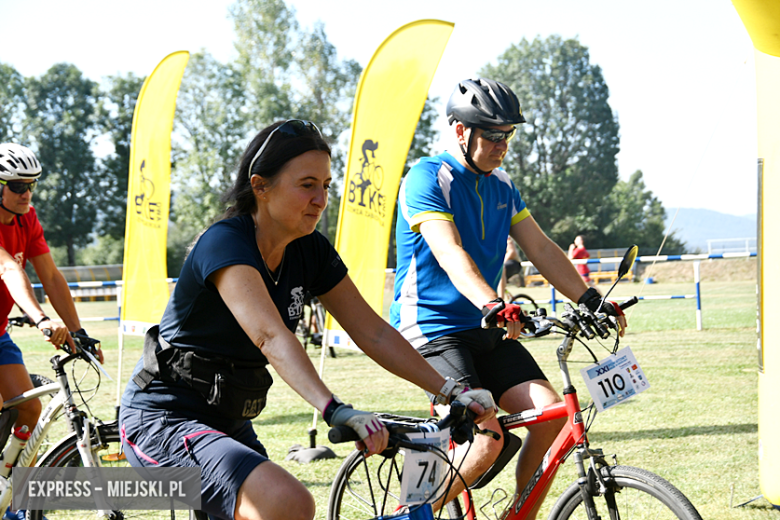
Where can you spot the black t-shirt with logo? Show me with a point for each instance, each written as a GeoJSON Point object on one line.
{"type": "Point", "coordinates": [197, 318]}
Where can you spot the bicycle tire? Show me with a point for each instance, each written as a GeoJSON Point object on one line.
{"type": "Point", "coordinates": [370, 487]}
{"type": "Point", "coordinates": [107, 446]}
{"type": "Point", "coordinates": [454, 509]}
{"type": "Point", "coordinates": [39, 381]}
{"type": "Point", "coordinates": [632, 493]}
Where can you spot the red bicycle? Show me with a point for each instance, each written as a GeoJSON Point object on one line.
{"type": "Point", "coordinates": [378, 487]}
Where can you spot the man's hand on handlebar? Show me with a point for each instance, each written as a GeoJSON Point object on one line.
{"type": "Point", "coordinates": [613, 309]}
{"type": "Point", "coordinates": [57, 333]}
{"type": "Point", "coordinates": [91, 344]}
{"type": "Point", "coordinates": [592, 300]}
{"type": "Point", "coordinates": [497, 313]}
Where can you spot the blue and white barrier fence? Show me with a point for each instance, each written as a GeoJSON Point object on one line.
{"type": "Point", "coordinates": [554, 300]}
{"type": "Point", "coordinates": [114, 290]}
{"type": "Point", "coordinates": [696, 259]}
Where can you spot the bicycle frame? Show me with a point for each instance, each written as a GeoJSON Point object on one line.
{"type": "Point", "coordinates": [62, 399]}
{"type": "Point", "coordinates": [572, 435]}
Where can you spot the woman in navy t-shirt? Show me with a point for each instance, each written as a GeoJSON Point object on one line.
{"type": "Point", "coordinates": [239, 296]}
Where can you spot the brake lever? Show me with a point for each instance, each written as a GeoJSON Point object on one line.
{"type": "Point", "coordinates": [541, 328]}
{"type": "Point", "coordinates": [97, 363]}
{"type": "Point", "coordinates": [581, 323]}
{"type": "Point", "coordinates": [602, 332]}
{"type": "Point", "coordinates": [85, 343]}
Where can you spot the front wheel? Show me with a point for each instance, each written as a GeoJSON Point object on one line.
{"type": "Point", "coordinates": [371, 487]}
{"type": "Point", "coordinates": [632, 493]}
{"type": "Point", "coordinates": [107, 452]}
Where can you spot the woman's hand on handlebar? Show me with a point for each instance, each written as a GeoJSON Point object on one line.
{"type": "Point", "coordinates": [373, 434]}
{"type": "Point", "coordinates": [479, 401]}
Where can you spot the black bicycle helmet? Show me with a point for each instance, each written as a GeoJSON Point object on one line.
{"type": "Point", "coordinates": [484, 102]}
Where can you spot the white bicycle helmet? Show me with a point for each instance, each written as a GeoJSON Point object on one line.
{"type": "Point", "coordinates": [18, 163]}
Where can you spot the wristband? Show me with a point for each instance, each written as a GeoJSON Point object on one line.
{"type": "Point", "coordinates": [45, 318]}
{"type": "Point", "coordinates": [443, 397]}
{"type": "Point", "coordinates": [329, 410]}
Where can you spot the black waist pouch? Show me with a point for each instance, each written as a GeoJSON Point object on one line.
{"type": "Point", "coordinates": [234, 389]}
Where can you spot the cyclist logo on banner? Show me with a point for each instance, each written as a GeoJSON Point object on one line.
{"type": "Point", "coordinates": [148, 210]}
{"type": "Point", "coordinates": [365, 187]}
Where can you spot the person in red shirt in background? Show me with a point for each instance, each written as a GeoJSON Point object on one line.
{"type": "Point", "coordinates": [21, 239]}
{"type": "Point", "coordinates": [577, 251]}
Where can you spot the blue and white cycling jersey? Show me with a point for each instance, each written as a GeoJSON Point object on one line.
{"type": "Point", "coordinates": [426, 304]}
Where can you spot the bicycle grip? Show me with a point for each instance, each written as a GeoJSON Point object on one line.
{"type": "Point", "coordinates": [339, 434]}
{"type": "Point", "coordinates": [628, 303]}
{"type": "Point", "coordinates": [489, 315]}
{"type": "Point", "coordinates": [47, 332]}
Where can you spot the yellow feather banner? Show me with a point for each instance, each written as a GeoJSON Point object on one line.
{"type": "Point", "coordinates": [389, 100]}
{"type": "Point", "coordinates": [144, 279]}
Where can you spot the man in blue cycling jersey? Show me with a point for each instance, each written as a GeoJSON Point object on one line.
{"type": "Point", "coordinates": [455, 213]}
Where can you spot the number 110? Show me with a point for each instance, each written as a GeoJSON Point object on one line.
{"type": "Point", "coordinates": [611, 387]}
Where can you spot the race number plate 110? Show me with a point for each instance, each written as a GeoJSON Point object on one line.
{"type": "Point", "coordinates": [615, 379]}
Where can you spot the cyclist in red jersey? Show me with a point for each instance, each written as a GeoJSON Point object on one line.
{"type": "Point", "coordinates": [21, 239]}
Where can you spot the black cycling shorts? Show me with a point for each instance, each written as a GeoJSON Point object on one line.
{"type": "Point", "coordinates": [481, 358]}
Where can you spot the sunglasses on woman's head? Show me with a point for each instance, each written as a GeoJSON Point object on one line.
{"type": "Point", "coordinates": [496, 136]}
{"type": "Point", "coordinates": [20, 187]}
{"type": "Point", "coordinates": [290, 128]}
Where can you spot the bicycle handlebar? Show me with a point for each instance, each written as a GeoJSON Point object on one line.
{"type": "Point", "coordinates": [81, 340]}
{"type": "Point", "coordinates": [460, 421]}
{"type": "Point", "coordinates": [580, 320]}
{"type": "Point", "coordinates": [21, 321]}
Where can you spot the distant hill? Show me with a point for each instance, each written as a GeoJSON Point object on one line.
{"type": "Point", "coordinates": [696, 226]}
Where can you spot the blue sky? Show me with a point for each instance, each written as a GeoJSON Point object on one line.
{"type": "Point", "coordinates": [680, 73]}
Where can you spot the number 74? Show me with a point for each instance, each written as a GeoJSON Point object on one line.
{"type": "Point", "coordinates": [431, 476]}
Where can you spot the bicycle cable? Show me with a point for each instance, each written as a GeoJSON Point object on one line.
{"type": "Point", "coordinates": [79, 391]}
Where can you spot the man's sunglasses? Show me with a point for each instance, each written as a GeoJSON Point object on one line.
{"type": "Point", "coordinates": [20, 187]}
{"type": "Point", "coordinates": [496, 136]}
{"type": "Point", "coordinates": [288, 129]}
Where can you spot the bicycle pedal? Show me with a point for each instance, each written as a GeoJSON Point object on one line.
{"type": "Point", "coordinates": [113, 457]}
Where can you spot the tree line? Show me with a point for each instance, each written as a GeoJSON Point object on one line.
{"type": "Point", "coordinates": [563, 160]}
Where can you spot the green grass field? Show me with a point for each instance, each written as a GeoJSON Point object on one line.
{"type": "Point", "coordinates": [696, 426]}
